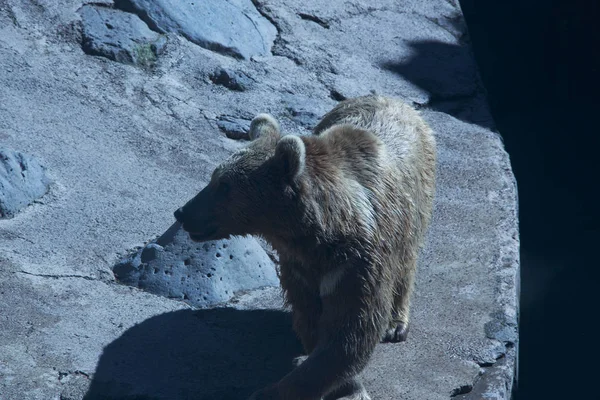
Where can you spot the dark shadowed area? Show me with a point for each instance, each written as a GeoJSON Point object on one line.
{"type": "Point", "coordinates": [451, 83]}
{"type": "Point", "coordinates": [539, 61]}
{"type": "Point", "coordinates": [219, 353]}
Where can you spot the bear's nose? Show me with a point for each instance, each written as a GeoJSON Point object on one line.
{"type": "Point", "coordinates": [179, 214]}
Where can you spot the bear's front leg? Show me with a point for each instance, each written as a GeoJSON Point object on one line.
{"type": "Point", "coordinates": [305, 302]}
{"type": "Point", "coordinates": [397, 330]}
{"type": "Point", "coordinates": [305, 317]}
{"type": "Point", "coordinates": [349, 329]}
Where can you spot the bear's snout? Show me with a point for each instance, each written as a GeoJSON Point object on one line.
{"type": "Point", "coordinates": [200, 229]}
{"type": "Point", "coordinates": [179, 215]}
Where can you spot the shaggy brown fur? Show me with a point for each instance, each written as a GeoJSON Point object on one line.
{"type": "Point", "coordinates": [346, 209]}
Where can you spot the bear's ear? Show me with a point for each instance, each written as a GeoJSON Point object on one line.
{"type": "Point", "coordinates": [291, 156]}
{"type": "Point", "coordinates": [264, 125]}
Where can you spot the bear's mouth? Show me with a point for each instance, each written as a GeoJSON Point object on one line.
{"type": "Point", "coordinates": [204, 236]}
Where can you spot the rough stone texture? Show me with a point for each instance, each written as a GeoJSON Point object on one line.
{"type": "Point", "coordinates": [126, 146]}
{"type": "Point", "coordinates": [231, 27]}
{"type": "Point", "coordinates": [119, 36]}
{"type": "Point", "coordinates": [234, 128]}
{"type": "Point", "coordinates": [304, 118]}
{"type": "Point", "coordinates": [200, 274]}
{"type": "Point", "coordinates": [233, 80]}
{"type": "Point", "coordinates": [54, 328]}
{"type": "Point", "coordinates": [22, 181]}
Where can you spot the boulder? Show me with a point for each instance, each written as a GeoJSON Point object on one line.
{"type": "Point", "coordinates": [200, 274]}
{"type": "Point", "coordinates": [119, 36]}
{"type": "Point", "coordinates": [232, 28]}
{"type": "Point", "coordinates": [22, 180]}
{"type": "Point", "coordinates": [234, 80]}
{"type": "Point", "coordinates": [233, 127]}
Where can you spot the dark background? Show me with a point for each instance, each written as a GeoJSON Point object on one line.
{"type": "Point", "coordinates": [539, 61]}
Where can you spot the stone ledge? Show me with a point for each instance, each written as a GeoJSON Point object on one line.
{"type": "Point", "coordinates": [127, 145]}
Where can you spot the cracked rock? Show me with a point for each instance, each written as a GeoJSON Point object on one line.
{"type": "Point", "coordinates": [119, 36]}
{"type": "Point", "coordinates": [234, 128]}
{"type": "Point", "coordinates": [200, 274]}
{"type": "Point", "coordinates": [316, 19]}
{"type": "Point", "coordinates": [75, 384]}
{"type": "Point", "coordinates": [234, 28]}
{"type": "Point", "coordinates": [233, 80]}
{"type": "Point", "coordinates": [302, 117]}
{"type": "Point", "coordinates": [501, 328]}
{"type": "Point", "coordinates": [22, 180]}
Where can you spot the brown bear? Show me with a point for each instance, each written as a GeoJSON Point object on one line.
{"type": "Point", "coordinates": [346, 209]}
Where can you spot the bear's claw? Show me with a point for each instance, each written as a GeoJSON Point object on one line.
{"type": "Point", "coordinates": [397, 334]}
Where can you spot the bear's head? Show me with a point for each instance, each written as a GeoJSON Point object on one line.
{"type": "Point", "coordinates": [255, 191]}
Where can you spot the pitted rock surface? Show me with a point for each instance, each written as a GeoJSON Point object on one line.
{"type": "Point", "coordinates": [119, 36]}
{"type": "Point", "coordinates": [22, 180]}
{"type": "Point", "coordinates": [200, 274]}
{"type": "Point", "coordinates": [233, 27]}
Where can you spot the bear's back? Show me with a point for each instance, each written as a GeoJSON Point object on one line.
{"type": "Point", "coordinates": [400, 127]}
{"type": "Point", "coordinates": [395, 157]}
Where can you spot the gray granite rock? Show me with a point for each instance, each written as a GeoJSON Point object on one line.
{"type": "Point", "coordinates": [119, 36]}
{"type": "Point", "coordinates": [22, 180]}
{"type": "Point", "coordinates": [234, 80]}
{"type": "Point", "coordinates": [302, 117]}
{"type": "Point", "coordinates": [234, 128]}
{"type": "Point", "coordinates": [234, 28]}
{"type": "Point", "coordinates": [200, 274]}
{"type": "Point", "coordinates": [127, 147]}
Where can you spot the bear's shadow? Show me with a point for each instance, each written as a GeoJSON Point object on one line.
{"type": "Point", "coordinates": [448, 73]}
{"type": "Point", "coordinates": [220, 353]}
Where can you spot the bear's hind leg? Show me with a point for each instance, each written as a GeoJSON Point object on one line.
{"type": "Point", "coordinates": [397, 330]}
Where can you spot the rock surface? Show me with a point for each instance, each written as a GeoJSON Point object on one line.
{"type": "Point", "coordinates": [200, 274]}
{"type": "Point", "coordinates": [232, 27]}
{"type": "Point", "coordinates": [234, 128]}
{"type": "Point", "coordinates": [119, 36]}
{"type": "Point", "coordinates": [22, 181]}
{"type": "Point", "coordinates": [126, 146]}
{"type": "Point", "coordinates": [233, 80]}
{"type": "Point", "coordinates": [304, 118]}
